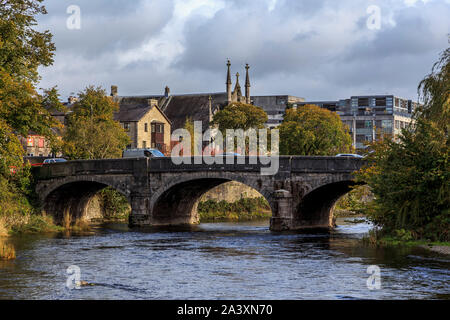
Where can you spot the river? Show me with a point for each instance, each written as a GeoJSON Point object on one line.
{"type": "Point", "coordinates": [220, 261]}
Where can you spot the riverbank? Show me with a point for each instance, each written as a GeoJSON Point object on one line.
{"type": "Point", "coordinates": [374, 238]}
{"type": "Point", "coordinates": [439, 249]}
{"type": "Point", "coordinates": [244, 209]}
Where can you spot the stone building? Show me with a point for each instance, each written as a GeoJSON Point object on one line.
{"type": "Point", "coordinates": [36, 145]}
{"type": "Point", "coordinates": [145, 123]}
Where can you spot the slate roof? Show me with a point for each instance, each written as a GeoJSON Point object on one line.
{"type": "Point", "coordinates": [133, 108]}
{"type": "Point", "coordinates": [179, 107]}
{"type": "Point", "coordinates": [195, 106]}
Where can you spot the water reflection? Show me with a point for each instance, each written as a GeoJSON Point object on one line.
{"type": "Point", "coordinates": [220, 261]}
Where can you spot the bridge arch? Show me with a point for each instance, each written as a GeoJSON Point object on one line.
{"type": "Point", "coordinates": [176, 202]}
{"type": "Point", "coordinates": [315, 209]}
{"type": "Point", "coordinates": [69, 199]}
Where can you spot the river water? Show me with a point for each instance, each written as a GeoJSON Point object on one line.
{"type": "Point", "coordinates": [220, 261]}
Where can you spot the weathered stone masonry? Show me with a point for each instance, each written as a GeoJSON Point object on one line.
{"type": "Point", "coordinates": [301, 194]}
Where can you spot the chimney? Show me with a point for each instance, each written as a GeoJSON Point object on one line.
{"type": "Point", "coordinates": [166, 92]}
{"type": "Point", "coordinates": [113, 91]}
{"type": "Point", "coordinates": [152, 102]}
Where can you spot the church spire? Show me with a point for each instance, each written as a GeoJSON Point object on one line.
{"type": "Point", "coordinates": [237, 93]}
{"type": "Point", "coordinates": [247, 85]}
{"type": "Point", "coordinates": [228, 83]}
{"type": "Point", "coordinates": [210, 109]}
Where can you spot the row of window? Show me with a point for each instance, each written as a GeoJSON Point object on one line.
{"type": "Point", "coordinates": [154, 145]}
{"type": "Point", "coordinates": [155, 127]}
{"type": "Point", "coordinates": [36, 142]}
{"type": "Point", "coordinates": [400, 124]}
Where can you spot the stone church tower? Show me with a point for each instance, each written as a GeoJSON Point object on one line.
{"type": "Point", "coordinates": [236, 94]}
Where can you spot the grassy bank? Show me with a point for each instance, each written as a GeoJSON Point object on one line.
{"type": "Point", "coordinates": [380, 238]}
{"type": "Point", "coordinates": [243, 209]}
{"type": "Point", "coordinates": [29, 223]}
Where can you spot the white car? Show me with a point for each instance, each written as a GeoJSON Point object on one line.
{"type": "Point", "coordinates": [54, 160]}
{"type": "Point", "coordinates": [353, 155]}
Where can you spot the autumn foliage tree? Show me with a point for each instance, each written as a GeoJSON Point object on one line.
{"type": "Point", "coordinates": [91, 131]}
{"type": "Point", "coordinates": [313, 131]}
{"type": "Point", "coordinates": [23, 49]}
{"type": "Point", "coordinates": [410, 177]}
{"type": "Point", "coordinates": [239, 115]}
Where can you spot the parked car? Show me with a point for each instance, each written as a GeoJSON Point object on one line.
{"type": "Point", "coordinates": [142, 153]}
{"type": "Point", "coordinates": [353, 155]}
{"type": "Point", "coordinates": [54, 160]}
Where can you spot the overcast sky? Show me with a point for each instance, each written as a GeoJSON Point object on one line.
{"type": "Point", "coordinates": [316, 49]}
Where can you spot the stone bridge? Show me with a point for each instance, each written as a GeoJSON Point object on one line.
{"type": "Point", "coordinates": [301, 195]}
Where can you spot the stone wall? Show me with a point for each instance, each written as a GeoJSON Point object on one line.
{"type": "Point", "coordinates": [230, 192]}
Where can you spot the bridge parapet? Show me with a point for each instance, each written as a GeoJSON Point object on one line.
{"type": "Point", "coordinates": [141, 166]}
{"type": "Point", "coordinates": [252, 164]}
{"type": "Point", "coordinates": [325, 164]}
{"type": "Point", "coordinates": [132, 166]}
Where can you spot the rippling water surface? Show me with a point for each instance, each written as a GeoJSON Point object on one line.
{"type": "Point", "coordinates": [220, 261]}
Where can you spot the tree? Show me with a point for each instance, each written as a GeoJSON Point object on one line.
{"type": "Point", "coordinates": [311, 130]}
{"type": "Point", "coordinates": [189, 126]}
{"type": "Point", "coordinates": [92, 132]}
{"type": "Point", "coordinates": [243, 116]}
{"type": "Point", "coordinates": [410, 178]}
{"type": "Point", "coordinates": [22, 50]}
{"type": "Point", "coordinates": [239, 115]}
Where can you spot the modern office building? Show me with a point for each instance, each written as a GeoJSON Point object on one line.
{"type": "Point", "coordinates": [369, 116]}
{"type": "Point", "coordinates": [275, 107]}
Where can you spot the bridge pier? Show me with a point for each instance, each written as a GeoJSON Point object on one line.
{"type": "Point", "coordinates": [282, 215]}
{"type": "Point", "coordinates": [140, 215]}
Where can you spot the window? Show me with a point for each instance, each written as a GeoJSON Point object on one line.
{"type": "Point", "coordinates": [144, 144]}
{"type": "Point", "coordinates": [368, 124]}
{"type": "Point", "coordinates": [386, 123]}
{"type": "Point", "coordinates": [126, 126]}
{"type": "Point", "coordinates": [146, 127]}
{"type": "Point", "coordinates": [380, 102]}
{"type": "Point", "coordinates": [363, 102]}
{"type": "Point", "coordinates": [153, 127]}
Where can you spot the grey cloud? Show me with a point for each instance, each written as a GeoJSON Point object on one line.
{"type": "Point", "coordinates": [106, 25]}
{"type": "Point", "coordinates": [317, 49]}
